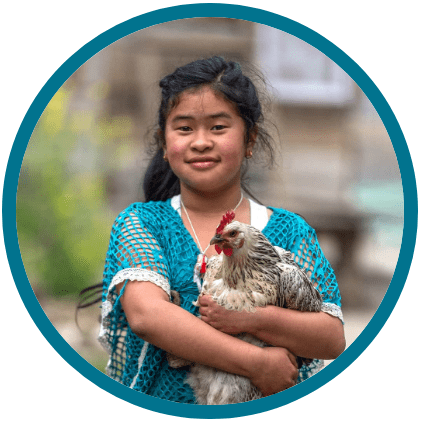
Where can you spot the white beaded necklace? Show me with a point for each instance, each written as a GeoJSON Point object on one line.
{"type": "Point", "coordinates": [202, 259]}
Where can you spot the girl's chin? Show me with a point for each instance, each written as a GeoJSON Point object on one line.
{"type": "Point", "coordinates": [209, 181]}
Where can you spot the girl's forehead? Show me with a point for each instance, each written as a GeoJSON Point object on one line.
{"type": "Point", "coordinates": [202, 102]}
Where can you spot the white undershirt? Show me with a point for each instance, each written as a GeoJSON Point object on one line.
{"type": "Point", "coordinates": [259, 215]}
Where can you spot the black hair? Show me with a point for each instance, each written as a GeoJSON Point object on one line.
{"type": "Point", "coordinates": [223, 77]}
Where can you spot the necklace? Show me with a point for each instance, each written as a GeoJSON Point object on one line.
{"type": "Point", "coordinates": [201, 261]}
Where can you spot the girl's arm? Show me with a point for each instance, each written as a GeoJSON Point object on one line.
{"type": "Point", "coordinates": [155, 319]}
{"type": "Point", "coordinates": [316, 335]}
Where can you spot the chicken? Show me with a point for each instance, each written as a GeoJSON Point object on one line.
{"type": "Point", "coordinates": [248, 274]}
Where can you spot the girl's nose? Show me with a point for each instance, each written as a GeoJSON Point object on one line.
{"type": "Point", "coordinates": [202, 141]}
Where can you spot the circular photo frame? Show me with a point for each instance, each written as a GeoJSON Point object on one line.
{"type": "Point", "coordinates": [224, 11]}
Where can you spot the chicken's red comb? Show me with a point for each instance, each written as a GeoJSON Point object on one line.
{"type": "Point", "coordinates": [228, 217]}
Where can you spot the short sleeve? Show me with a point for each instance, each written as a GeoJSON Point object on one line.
{"type": "Point", "coordinates": [134, 253]}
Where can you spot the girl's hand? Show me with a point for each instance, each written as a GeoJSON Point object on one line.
{"type": "Point", "coordinates": [229, 322]}
{"type": "Point", "coordinates": [277, 371]}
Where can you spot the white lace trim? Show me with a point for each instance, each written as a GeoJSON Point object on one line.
{"type": "Point", "coordinates": [140, 274]}
{"type": "Point", "coordinates": [332, 309]}
{"type": "Point", "coordinates": [140, 362]}
{"type": "Point", "coordinates": [131, 274]}
{"type": "Point", "coordinates": [102, 337]}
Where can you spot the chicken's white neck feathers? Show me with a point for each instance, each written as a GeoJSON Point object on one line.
{"type": "Point", "coordinates": [244, 261]}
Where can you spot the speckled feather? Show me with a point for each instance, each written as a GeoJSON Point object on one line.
{"type": "Point", "coordinates": [256, 274]}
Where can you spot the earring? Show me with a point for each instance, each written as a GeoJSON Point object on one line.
{"type": "Point", "coordinates": [165, 157]}
{"type": "Point", "coordinates": [249, 154]}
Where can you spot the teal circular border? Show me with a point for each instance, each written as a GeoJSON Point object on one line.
{"type": "Point", "coordinates": [184, 12]}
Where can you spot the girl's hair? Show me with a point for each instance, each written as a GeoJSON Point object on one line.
{"type": "Point", "coordinates": [225, 78]}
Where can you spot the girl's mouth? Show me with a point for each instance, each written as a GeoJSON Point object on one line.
{"type": "Point", "coordinates": [203, 164]}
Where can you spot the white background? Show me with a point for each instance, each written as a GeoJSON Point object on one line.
{"type": "Point", "coordinates": [37, 37]}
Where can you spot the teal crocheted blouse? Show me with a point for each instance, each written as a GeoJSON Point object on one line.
{"type": "Point", "coordinates": [150, 242]}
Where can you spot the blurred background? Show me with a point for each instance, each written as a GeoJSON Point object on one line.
{"type": "Point", "coordinates": [86, 158]}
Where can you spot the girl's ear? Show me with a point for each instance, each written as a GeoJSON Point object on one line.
{"type": "Point", "coordinates": [159, 136]}
{"type": "Point", "coordinates": [253, 133]}
{"type": "Point", "coordinates": [164, 148]}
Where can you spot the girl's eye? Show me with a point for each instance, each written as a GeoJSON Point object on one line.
{"type": "Point", "coordinates": [185, 128]}
{"type": "Point", "coordinates": [218, 127]}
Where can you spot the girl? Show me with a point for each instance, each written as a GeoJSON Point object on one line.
{"type": "Point", "coordinates": [210, 122]}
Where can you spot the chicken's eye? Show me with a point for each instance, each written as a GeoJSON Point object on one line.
{"type": "Point", "coordinates": [232, 233]}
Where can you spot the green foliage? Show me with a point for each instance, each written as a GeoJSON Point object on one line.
{"type": "Point", "coordinates": [61, 216]}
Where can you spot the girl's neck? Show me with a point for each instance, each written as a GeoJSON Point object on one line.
{"type": "Point", "coordinates": [205, 211]}
{"type": "Point", "coordinates": [210, 203]}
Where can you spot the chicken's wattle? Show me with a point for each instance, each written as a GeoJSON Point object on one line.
{"type": "Point", "coordinates": [226, 251]}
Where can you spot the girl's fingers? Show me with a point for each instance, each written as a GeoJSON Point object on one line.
{"type": "Point", "coordinates": [202, 311]}
{"type": "Point", "coordinates": [204, 300]}
{"type": "Point", "coordinates": [292, 358]}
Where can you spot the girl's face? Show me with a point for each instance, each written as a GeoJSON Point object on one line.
{"type": "Point", "coordinates": [205, 141]}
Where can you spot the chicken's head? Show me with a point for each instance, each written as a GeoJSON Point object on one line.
{"type": "Point", "coordinates": [230, 235]}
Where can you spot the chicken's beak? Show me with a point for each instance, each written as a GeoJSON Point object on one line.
{"type": "Point", "coordinates": [216, 239]}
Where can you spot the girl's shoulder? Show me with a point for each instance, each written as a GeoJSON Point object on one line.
{"type": "Point", "coordinates": [281, 217]}
{"type": "Point", "coordinates": [286, 228]}
{"type": "Point", "coordinates": [290, 231]}
{"type": "Point", "coordinates": [153, 212]}
{"type": "Point", "coordinates": [147, 208]}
